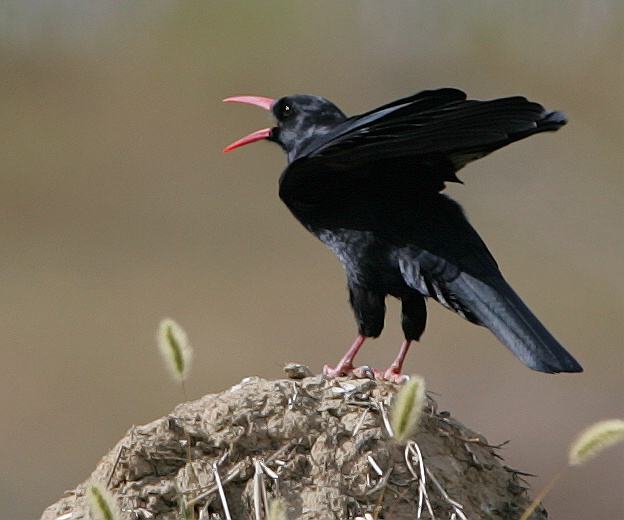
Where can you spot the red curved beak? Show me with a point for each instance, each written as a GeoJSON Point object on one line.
{"type": "Point", "coordinates": [264, 133]}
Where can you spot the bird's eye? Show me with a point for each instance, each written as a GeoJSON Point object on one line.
{"type": "Point", "coordinates": [285, 111]}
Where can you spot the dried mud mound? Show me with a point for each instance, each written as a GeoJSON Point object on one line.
{"type": "Point", "coordinates": [322, 447]}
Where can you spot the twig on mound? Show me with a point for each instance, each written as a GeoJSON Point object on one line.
{"type": "Point", "coordinates": [384, 415]}
{"type": "Point", "coordinates": [412, 451]}
{"type": "Point", "coordinates": [234, 472]}
{"type": "Point", "coordinates": [122, 450]}
{"type": "Point", "coordinates": [360, 422]}
{"type": "Point", "coordinates": [457, 507]}
{"type": "Point", "coordinates": [226, 509]}
{"type": "Point", "coordinates": [260, 495]}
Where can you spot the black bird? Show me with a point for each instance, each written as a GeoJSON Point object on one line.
{"type": "Point", "coordinates": [368, 187]}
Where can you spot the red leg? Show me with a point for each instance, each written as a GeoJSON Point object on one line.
{"type": "Point", "coordinates": [345, 365]}
{"type": "Point", "coordinates": [394, 371]}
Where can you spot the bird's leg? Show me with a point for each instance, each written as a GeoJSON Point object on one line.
{"type": "Point", "coordinates": [394, 370]}
{"type": "Point", "coordinates": [345, 365]}
{"type": "Point", "coordinates": [413, 320]}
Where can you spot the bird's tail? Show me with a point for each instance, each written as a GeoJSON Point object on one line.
{"type": "Point", "coordinates": [500, 309]}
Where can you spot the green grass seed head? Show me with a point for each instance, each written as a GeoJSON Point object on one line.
{"type": "Point", "coordinates": [102, 503]}
{"type": "Point", "coordinates": [407, 408]}
{"type": "Point", "coordinates": [276, 511]}
{"type": "Point", "coordinates": [175, 349]}
{"type": "Point", "coordinates": [598, 437]}
{"type": "Point", "coordinates": [588, 444]}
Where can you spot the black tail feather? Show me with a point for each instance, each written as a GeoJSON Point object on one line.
{"type": "Point", "coordinates": [501, 310]}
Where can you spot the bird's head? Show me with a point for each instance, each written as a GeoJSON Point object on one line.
{"type": "Point", "coordinates": [300, 118]}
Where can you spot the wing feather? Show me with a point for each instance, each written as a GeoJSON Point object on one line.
{"type": "Point", "coordinates": [432, 122]}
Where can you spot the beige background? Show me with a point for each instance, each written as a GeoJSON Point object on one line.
{"type": "Point", "coordinates": [118, 209]}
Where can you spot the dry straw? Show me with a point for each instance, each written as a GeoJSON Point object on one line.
{"type": "Point", "coordinates": [407, 408]}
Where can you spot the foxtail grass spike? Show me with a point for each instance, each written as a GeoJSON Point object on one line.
{"type": "Point", "coordinates": [598, 437]}
{"type": "Point", "coordinates": [176, 351]}
{"type": "Point", "coordinates": [103, 505]}
{"type": "Point", "coordinates": [407, 408]}
{"type": "Point", "coordinates": [276, 511]}
{"type": "Point", "coordinates": [594, 439]}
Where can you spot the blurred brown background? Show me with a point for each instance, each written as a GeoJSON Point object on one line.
{"type": "Point", "coordinates": [118, 209]}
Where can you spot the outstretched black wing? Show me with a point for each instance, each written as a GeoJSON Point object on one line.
{"type": "Point", "coordinates": [433, 123]}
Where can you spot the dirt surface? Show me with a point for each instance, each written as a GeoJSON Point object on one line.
{"type": "Point", "coordinates": [322, 447]}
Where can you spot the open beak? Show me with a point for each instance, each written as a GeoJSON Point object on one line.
{"type": "Point", "coordinates": [264, 133]}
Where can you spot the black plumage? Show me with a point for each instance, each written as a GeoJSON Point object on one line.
{"type": "Point", "coordinates": [369, 187]}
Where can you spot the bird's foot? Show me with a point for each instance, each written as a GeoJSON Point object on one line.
{"type": "Point", "coordinates": [364, 372]}
{"type": "Point", "coordinates": [392, 375]}
{"type": "Point", "coordinates": [340, 370]}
